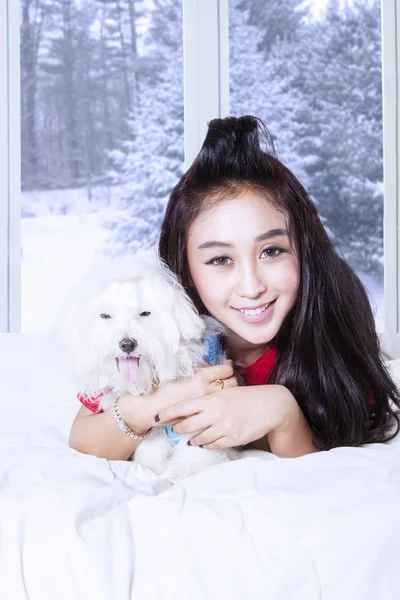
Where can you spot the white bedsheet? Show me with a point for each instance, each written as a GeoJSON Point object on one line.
{"type": "Point", "coordinates": [324, 526]}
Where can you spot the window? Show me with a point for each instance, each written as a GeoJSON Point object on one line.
{"type": "Point", "coordinates": [85, 175]}
{"type": "Point", "coordinates": [102, 136]}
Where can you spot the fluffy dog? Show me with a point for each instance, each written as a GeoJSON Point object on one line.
{"type": "Point", "coordinates": [130, 327]}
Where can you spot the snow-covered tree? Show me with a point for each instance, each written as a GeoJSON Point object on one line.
{"type": "Point", "coordinates": [151, 161]}
{"type": "Point", "coordinates": [276, 20]}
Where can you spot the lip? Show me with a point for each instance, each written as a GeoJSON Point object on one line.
{"type": "Point", "coordinates": [257, 318]}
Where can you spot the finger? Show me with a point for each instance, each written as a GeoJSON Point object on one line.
{"type": "Point", "coordinates": [223, 371]}
{"type": "Point", "coordinates": [196, 423]}
{"type": "Point", "coordinates": [205, 437]}
{"type": "Point", "coordinates": [222, 442]}
{"type": "Point", "coordinates": [179, 410]}
{"type": "Point", "coordinates": [172, 422]}
{"type": "Point", "coordinates": [228, 383]}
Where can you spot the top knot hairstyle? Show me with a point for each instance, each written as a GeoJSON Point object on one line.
{"type": "Point", "coordinates": [329, 354]}
{"type": "Point", "coordinates": [232, 148]}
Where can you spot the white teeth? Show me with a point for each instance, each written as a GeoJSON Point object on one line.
{"type": "Point", "coordinates": [254, 312]}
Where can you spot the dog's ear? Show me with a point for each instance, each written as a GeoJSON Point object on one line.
{"type": "Point", "coordinates": [73, 325]}
{"type": "Point", "coordinates": [190, 324]}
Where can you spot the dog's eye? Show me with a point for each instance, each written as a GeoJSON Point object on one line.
{"type": "Point", "coordinates": [105, 316]}
{"type": "Point", "coordinates": [145, 314]}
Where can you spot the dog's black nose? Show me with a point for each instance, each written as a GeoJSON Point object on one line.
{"type": "Point", "coordinates": [128, 345]}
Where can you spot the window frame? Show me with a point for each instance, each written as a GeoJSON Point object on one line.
{"type": "Point", "coordinates": [390, 338]}
{"type": "Point", "coordinates": [206, 69]}
{"type": "Point", "coordinates": [10, 169]}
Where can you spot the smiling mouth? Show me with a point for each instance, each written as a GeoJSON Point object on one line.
{"type": "Point", "coordinates": [253, 312]}
{"type": "Point", "coordinates": [128, 367]}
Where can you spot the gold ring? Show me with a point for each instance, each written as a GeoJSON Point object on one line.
{"type": "Point", "coordinates": [220, 384]}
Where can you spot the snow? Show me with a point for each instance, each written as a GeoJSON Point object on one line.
{"type": "Point", "coordinates": [63, 201]}
{"type": "Point", "coordinates": [57, 249]}
{"type": "Point", "coordinates": [318, 7]}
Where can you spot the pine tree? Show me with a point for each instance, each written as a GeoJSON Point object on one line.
{"type": "Point", "coordinates": [276, 20]}
{"type": "Point", "coordinates": [33, 22]}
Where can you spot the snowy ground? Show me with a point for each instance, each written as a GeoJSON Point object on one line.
{"type": "Point", "coordinates": [76, 201]}
{"type": "Point", "coordinates": [58, 245]}
{"type": "Point", "coordinates": [56, 252]}
{"type": "Point", "coordinates": [58, 248]}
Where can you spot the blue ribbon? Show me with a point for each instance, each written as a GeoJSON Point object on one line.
{"type": "Point", "coordinates": [212, 347]}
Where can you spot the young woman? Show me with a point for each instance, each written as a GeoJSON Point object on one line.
{"type": "Point", "coordinates": [247, 243]}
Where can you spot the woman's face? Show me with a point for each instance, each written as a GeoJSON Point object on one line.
{"type": "Point", "coordinates": [243, 266]}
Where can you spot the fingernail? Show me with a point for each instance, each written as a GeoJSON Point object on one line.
{"type": "Point", "coordinates": [157, 418]}
{"type": "Point", "coordinates": [189, 443]}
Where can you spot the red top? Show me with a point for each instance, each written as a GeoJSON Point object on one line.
{"type": "Point", "coordinates": [260, 370]}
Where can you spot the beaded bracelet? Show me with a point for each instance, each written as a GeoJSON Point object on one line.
{"type": "Point", "coordinates": [124, 427]}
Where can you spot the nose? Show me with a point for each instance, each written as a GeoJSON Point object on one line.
{"type": "Point", "coordinates": [251, 285]}
{"type": "Point", "coordinates": [128, 345]}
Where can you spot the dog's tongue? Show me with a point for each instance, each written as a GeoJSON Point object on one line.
{"type": "Point", "coordinates": [128, 367]}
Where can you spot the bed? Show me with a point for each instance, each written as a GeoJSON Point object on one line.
{"type": "Point", "coordinates": [324, 526]}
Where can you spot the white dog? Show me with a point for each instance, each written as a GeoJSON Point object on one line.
{"type": "Point", "coordinates": [128, 327]}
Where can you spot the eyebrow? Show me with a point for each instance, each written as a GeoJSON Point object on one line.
{"type": "Point", "coordinates": [260, 238]}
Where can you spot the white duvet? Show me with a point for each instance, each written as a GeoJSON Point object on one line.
{"type": "Point", "coordinates": [324, 526]}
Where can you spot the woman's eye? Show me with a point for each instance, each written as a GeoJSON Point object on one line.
{"type": "Point", "coordinates": [272, 252]}
{"type": "Point", "coordinates": [219, 261]}
{"type": "Point", "coordinates": [105, 316]}
{"type": "Point", "coordinates": [145, 313]}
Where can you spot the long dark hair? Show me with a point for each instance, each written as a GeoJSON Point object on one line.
{"type": "Point", "coordinates": [329, 354]}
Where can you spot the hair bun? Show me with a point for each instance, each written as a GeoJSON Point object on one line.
{"type": "Point", "coordinates": [232, 147]}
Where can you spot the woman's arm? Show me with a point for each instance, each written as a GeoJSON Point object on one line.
{"type": "Point", "coordinates": [99, 435]}
{"type": "Point", "coordinates": [266, 416]}
{"type": "Point", "coordinates": [293, 437]}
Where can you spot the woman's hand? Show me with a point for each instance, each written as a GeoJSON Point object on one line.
{"type": "Point", "coordinates": [234, 416]}
{"type": "Point", "coordinates": [139, 411]}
